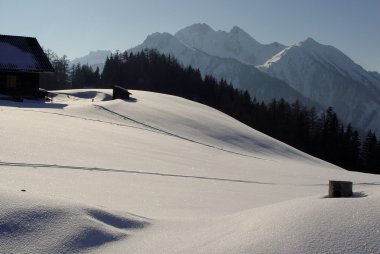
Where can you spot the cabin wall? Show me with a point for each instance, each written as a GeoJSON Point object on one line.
{"type": "Point", "coordinates": [19, 84]}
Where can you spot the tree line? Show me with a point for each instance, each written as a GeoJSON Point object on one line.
{"type": "Point", "coordinates": [68, 77]}
{"type": "Point", "coordinates": [320, 134]}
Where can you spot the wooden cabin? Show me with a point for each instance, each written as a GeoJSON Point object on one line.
{"type": "Point", "coordinates": [21, 62]}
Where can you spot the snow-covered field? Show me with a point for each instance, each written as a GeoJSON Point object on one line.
{"type": "Point", "coordinates": [160, 174]}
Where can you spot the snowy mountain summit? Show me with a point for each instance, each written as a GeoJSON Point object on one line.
{"type": "Point", "coordinates": [236, 44]}
{"type": "Point", "coordinates": [191, 47]}
{"type": "Point", "coordinates": [330, 57]}
{"type": "Point", "coordinates": [324, 74]}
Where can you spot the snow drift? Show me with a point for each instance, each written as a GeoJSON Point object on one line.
{"type": "Point", "coordinates": [311, 225]}
{"type": "Point", "coordinates": [34, 225]}
{"type": "Point", "coordinates": [163, 174]}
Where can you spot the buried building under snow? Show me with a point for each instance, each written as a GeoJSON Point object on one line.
{"type": "Point", "coordinates": [120, 93]}
{"type": "Point", "coordinates": [21, 62]}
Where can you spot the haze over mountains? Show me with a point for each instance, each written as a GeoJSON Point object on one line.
{"type": "Point", "coordinates": [317, 75]}
{"type": "Point", "coordinates": [236, 44]}
{"type": "Point", "coordinates": [94, 59]}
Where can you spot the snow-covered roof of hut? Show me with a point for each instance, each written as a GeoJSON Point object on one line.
{"type": "Point", "coordinates": [22, 54]}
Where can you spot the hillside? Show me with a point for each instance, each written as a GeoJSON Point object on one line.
{"type": "Point", "coordinates": [163, 174]}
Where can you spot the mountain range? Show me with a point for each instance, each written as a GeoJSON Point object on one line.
{"type": "Point", "coordinates": [94, 59]}
{"type": "Point", "coordinates": [317, 75]}
{"type": "Point", "coordinates": [236, 44]}
{"type": "Point", "coordinates": [325, 74]}
{"type": "Point", "coordinates": [241, 75]}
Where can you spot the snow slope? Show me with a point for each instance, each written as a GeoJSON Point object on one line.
{"type": "Point", "coordinates": [324, 74]}
{"type": "Point", "coordinates": [312, 225]}
{"type": "Point", "coordinates": [30, 224]}
{"type": "Point", "coordinates": [162, 174]}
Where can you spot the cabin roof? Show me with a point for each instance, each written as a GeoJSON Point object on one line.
{"type": "Point", "coordinates": [22, 54]}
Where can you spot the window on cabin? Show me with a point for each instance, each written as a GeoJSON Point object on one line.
{"type": "Point", "coordinates": [11, 81]}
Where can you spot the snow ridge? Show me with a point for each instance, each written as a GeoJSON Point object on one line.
{"type": "Point", "coordinates": [236, 44]}
{"type": "Point", "coordinates": [325, 74]}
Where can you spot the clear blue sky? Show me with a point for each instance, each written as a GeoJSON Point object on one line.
{"type": "Point", "coordinates": [74, 27]}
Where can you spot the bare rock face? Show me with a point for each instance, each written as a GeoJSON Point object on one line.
{"type": "Point", "coordinates": [340, 189]}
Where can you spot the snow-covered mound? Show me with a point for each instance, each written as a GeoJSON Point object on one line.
{"type": "Point", "coordinates": [162, 174]}
{"type": "Point", "coordinates": [81, 95]}
{"type": "Point", "coordinates": [311, 225]}
{"type": "Point", "coordinates": [33, 225]}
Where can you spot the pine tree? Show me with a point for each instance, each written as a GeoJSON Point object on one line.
{"type": "Point", "coordinates": [369, 151]}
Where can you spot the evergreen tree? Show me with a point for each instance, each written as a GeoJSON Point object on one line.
{"type": "Point", "coordinates": [369, 153]}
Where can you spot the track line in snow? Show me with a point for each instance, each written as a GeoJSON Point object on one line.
{"type": "Point", "coordinates": [173, 134]}
{"type": "Point", "coordinates": [87, 119]}
{"type": "Point", "coordinates": [57, 166]}
{"type": "Point", "coordinates": [147, 127]}
{"type": "Point", "coordinates": [39, 165]}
